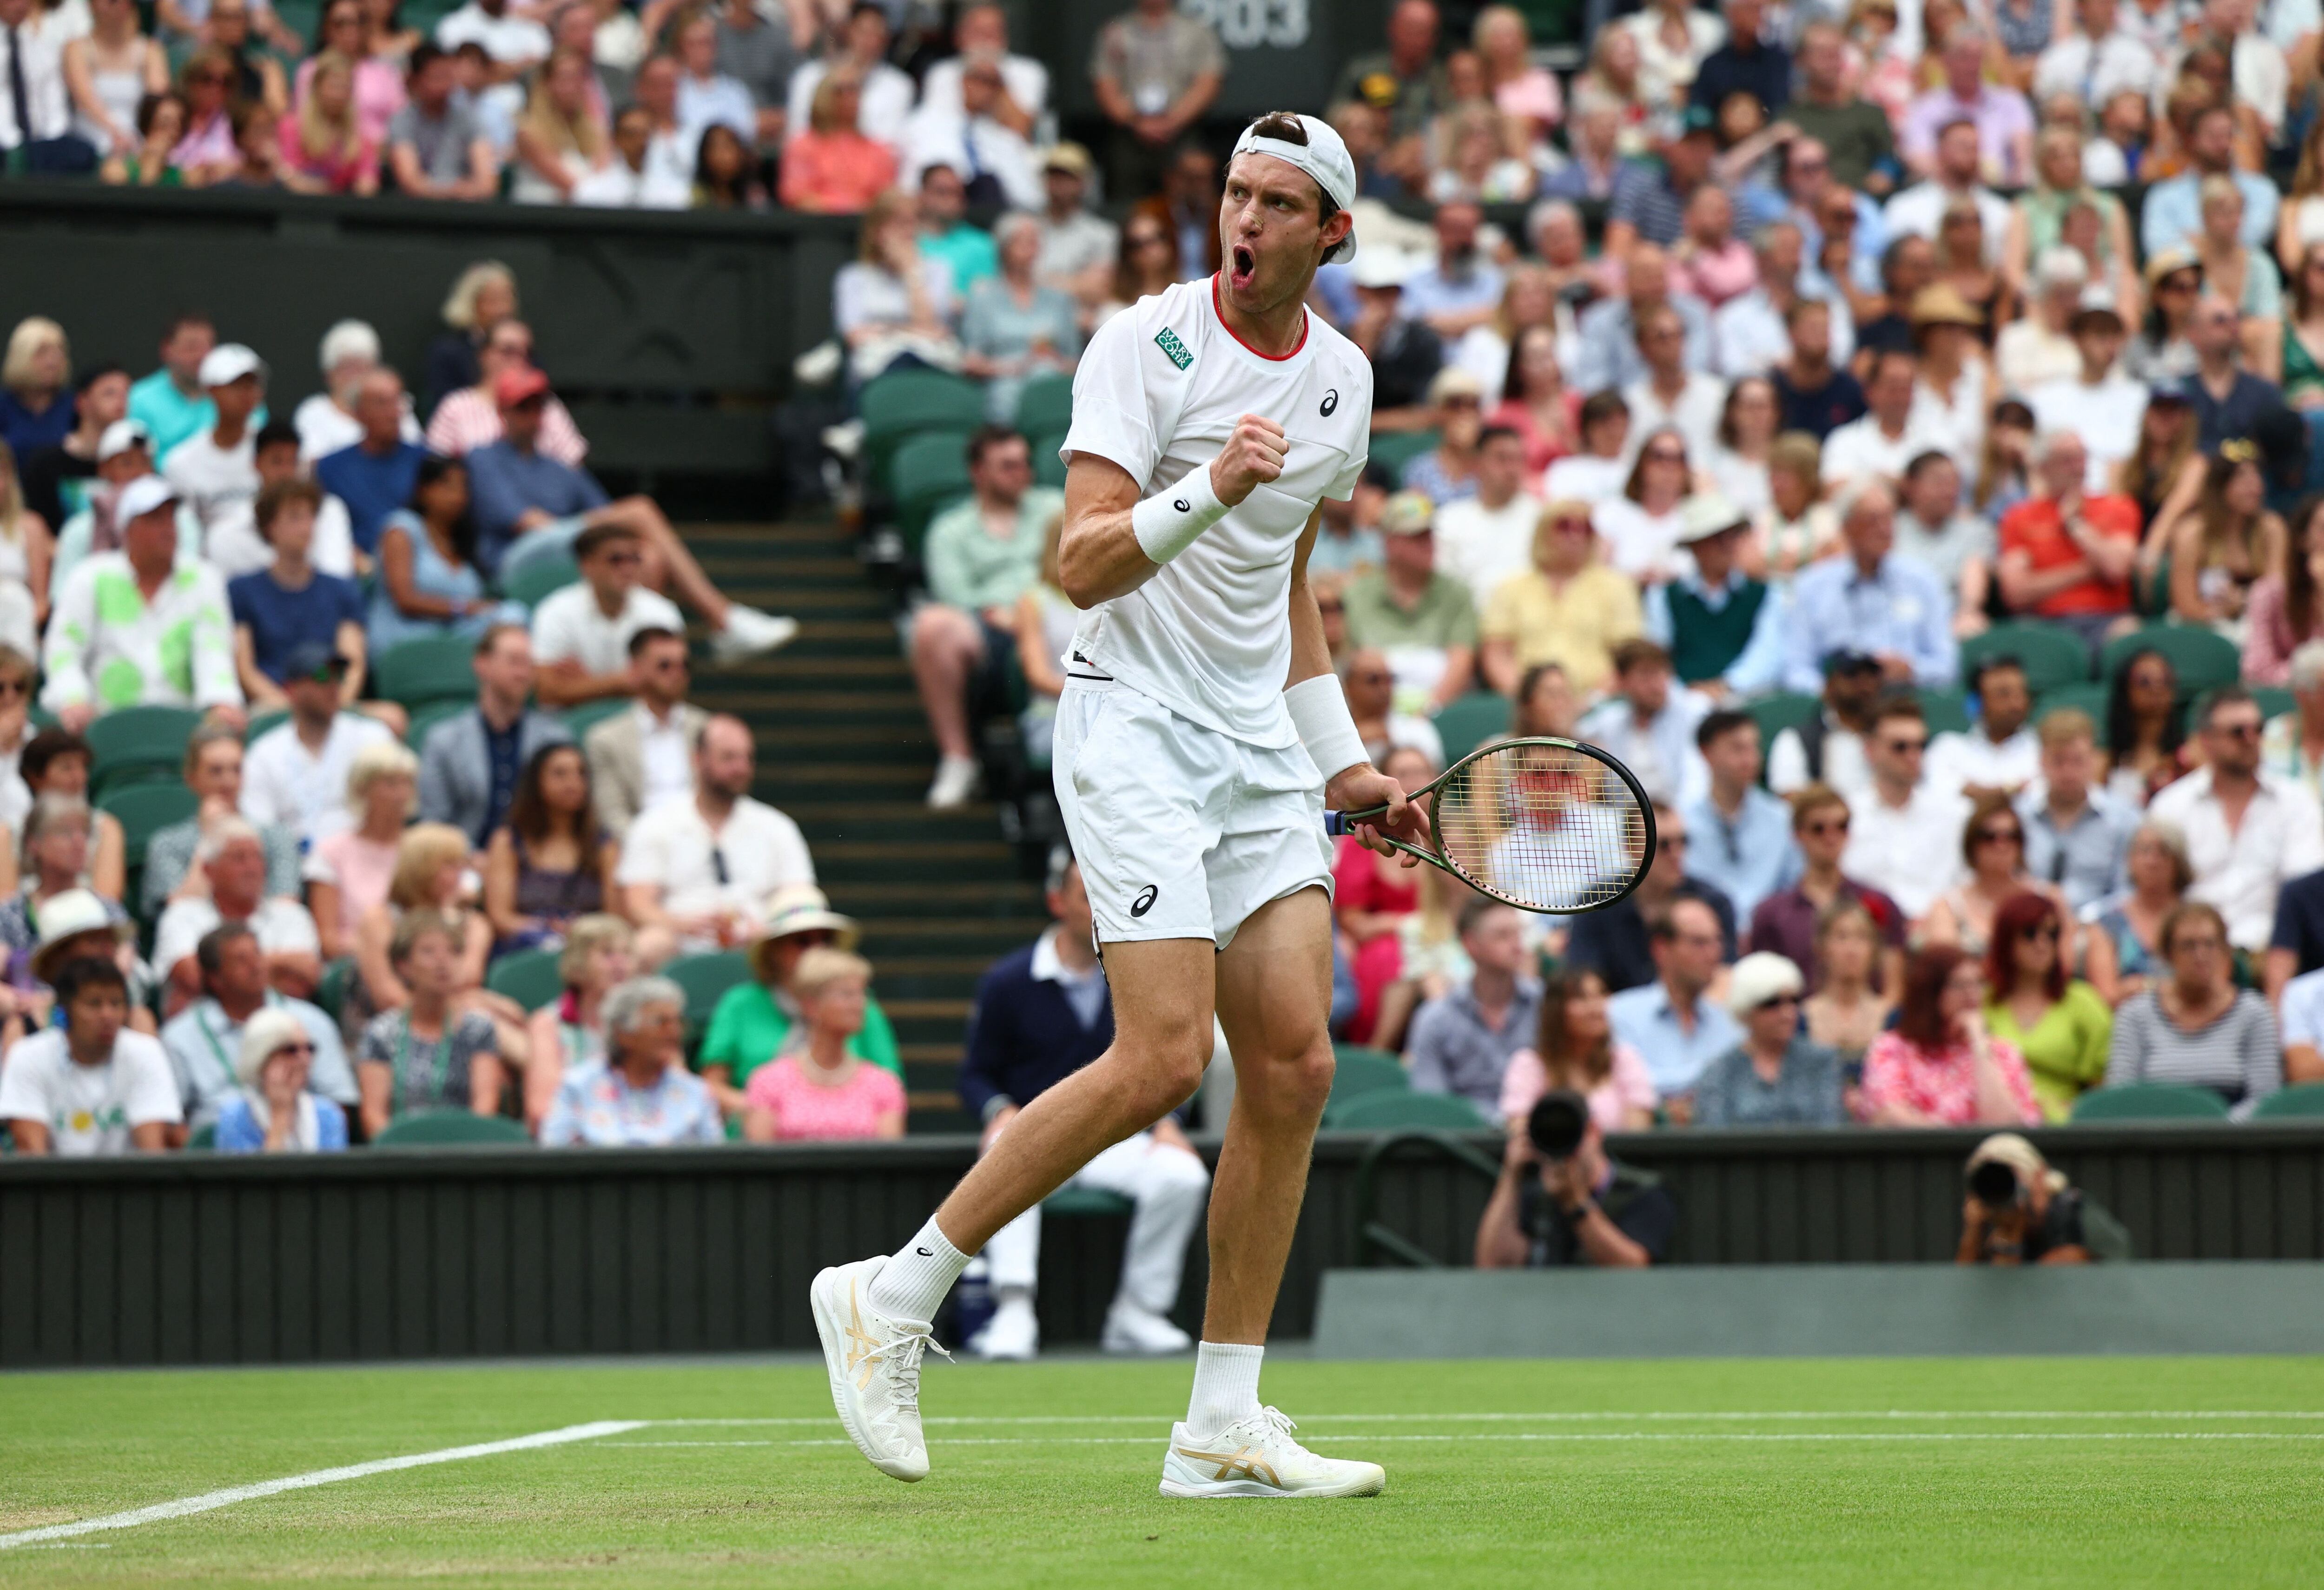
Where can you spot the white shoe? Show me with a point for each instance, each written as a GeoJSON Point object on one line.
{"type": "Point", "coordinates": [874, 1362]}
{"type": "Point", "coordinates": [749, 632]}
{"type": "Point", "coordinates": [1256, 1456]}
{"type": "Point", "coordinates": [1013, 1335]}
{"type": "Point", "coordinates": [1129, 1328]}
{"type": "Point", "coordinates": [955, 781]}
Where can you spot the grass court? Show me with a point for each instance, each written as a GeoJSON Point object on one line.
{"type": "Point", "coordinates": [1895, 1472]}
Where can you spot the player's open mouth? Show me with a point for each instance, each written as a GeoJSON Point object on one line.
{"type": "Point", "coordinates": [1243, 265]}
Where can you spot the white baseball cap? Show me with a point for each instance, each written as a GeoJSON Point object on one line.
{"type": "Point", "coordinates": [141, 496]}
{"type": "Point", "coordinates": [1324, 157]}
{"type": "Point", "coordinates": [229, 362]}
{"type": "Point", "coordinates": [121, 435]}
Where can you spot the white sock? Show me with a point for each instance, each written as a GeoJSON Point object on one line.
{"type": "Point", "coordinates": [1226, 1386]}
{"type": "Point", "coordinates": [919, 1275]}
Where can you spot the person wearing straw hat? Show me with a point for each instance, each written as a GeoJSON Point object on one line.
{"type": "Point", "coordinates": [273, 1111]}
{"type": "Point", "coordinates": [1077, 248]}
{"type": "Point", "coordinates": [1722, 628]}
{"type": "Point", "coordinates": [2021, 1211]}
{"type": "Point", "coordinates": [1776, 1077]}
{"type": "Point", "coordinates": [1956, 385]}
{"type": "Point", "coordinates": [753, 1019]}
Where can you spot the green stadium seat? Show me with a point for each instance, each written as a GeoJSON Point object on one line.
{"type": "Point", "coordinates": [424, 720]}
{"type": "Point", "coordinates": [1469, 721]}
{"type": "Point", "coordinates": [331, 991]}
{"type": "Point", "coordinates": [203, 1137]}
{"type": "Point", "coordinates": [539, 578]}
{"type": "Point", "coordinates": [929, 471]}
{"type": "Point", "coordinates": [144, 809]}
{"type": "Point", "coordinates": [2300, 1102]}
{"type": "Point", "coordinates": [529, 978]}
{"type": "Point", "coordinates": [2205, 661]}
{"type": "Point", "coordinates": [706, 977]}
{"type": "Point", "coordinates": [2052, 657]}
{"type": "Point", "coordinates": [1775, 714]}
{"type": "Point", "coordinates": [2274, 701]}
{"type": "Point", "coordinates": [1386, 1110]}
{"type": "Point", "coordinates": [581, 719]}
{"type": "Point", "coordinates": [2090, 698]}
{"type": "Point", "coordinates": [262, 722]}
{"type": "Point", "coordinates": [1085, 1200]}
{"type": "Point", "coordinates": [1357, 1071]}
{"type": "Point", "coordinates": [453, 1129]}
{"type": "Point", "coordinates": [433, 668]}
{"type": "Point", "coordinates": [1046, 405]}
{"type": "Point", "coordinates": [139, 740]}
{"type": "Point", "coordinates": [908, 404]}
{"type": "Point", "coordinates": [1049, 468]}
{"type": "Point", "coordinates": [1393, 449]}
{"type": "Point", "coordinates": [2149, 1101]}
{"type": "Point", "coordinates": [1947, 711]}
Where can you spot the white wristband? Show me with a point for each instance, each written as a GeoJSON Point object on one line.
{"type": "Point", "coordinates": [1168, 522]}
{"type": "Point", "coordinates": [1319, 711]}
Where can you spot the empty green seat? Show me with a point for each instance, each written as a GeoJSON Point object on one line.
{"type": "Point", "coordinates": [2203, 660]}
{"type": "Point", "coordinates": [1357, 1071]}
{"type": "Point", "coordinates": [2301, 1101]}
{"type": "Point", "coordinates": [906, 403]}
{"type": "Point", "coordinates": [1393, 449]}
{"type": "Point", "coordinates": [260, 723]}
{"type": "Point", "coordinates": [929, 471]}
{"type": "Point", "coordinates": [203, 1137]}
{"type": "Point", "coordinates": [1085, 1200]}
{"type": "Point", "coordinates": [2090, 698]}
{"type": "Point", "coordinates": [431, 668]}
{"type": "Point", "coordinates": [2274, 701]}
{"type": "Point", "coordinates": [139, 740]}
{"type": "Point", "coordinates": [2051, 656]}
{"type": "Point", "coordinates": [424, 720]}
{"type": "Point", "coordinates": [1390, 1110]}
{"type": "Point", "coordinates": [452, 1128]}
{"type": "Point", "coordinates": [539, 578]}
{"type": "Point", "coordinates": [1775, 714]}
{"type": "Point", "coordinates": [579, 720]}
{"type": "Point", "coordinates": [2149, 1101]}
{"type": "Point", "coordinates": [1048, 464]}
{"type": "Point", "coordinates": [529, 978]}
{"type": "Point", "coordinates": [1046, 405]}
{"type": "Point", "coordinates": [1946, 711]}
{"type": "Point", "coordinates": [1469, 721]}
{"type": "Point", "coordinates": [146, 809]}
{"type": "Point", "coordinates": [706, 978]}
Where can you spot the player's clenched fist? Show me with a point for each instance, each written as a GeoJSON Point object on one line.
{"type": "Point", "coordinates": [1254, 453]}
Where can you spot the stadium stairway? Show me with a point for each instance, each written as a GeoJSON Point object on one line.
{"type": "Point", "coordinates": [844, 749]}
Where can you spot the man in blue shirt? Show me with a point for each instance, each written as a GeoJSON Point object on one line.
{"type": "Point", "coordinates": [375, 476]}
{"type": "Point", "coordinates": [172, 403]}
{"type": "Point", "coordinates": [1888, 608]}
{"type": "Point", "coordinates": [2172, 211]}
{"type": "Point", "coordinates": [1463, 287]}
{"type": "Point", "coordinates": [1041, 1014]}
{"type": "Point", "coordinates": [1741, 834]}
{"type": "Point", "coordinates": [2227, 399]}
{"type": "Point", "coordinates": [1610, 354]}
{"type": "Point", "coordinates": [527, 506]}
{"type": "Point", "coordinates": [1675, 1029]}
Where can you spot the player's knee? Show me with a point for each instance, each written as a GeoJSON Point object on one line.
{"type": "Point", "coordinates": [1293, 1084]}
{"type": "Point", "coordinates": [1165, 1072]}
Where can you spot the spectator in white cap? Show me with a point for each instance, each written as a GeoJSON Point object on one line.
{"type": "Point", "coordinates": [274, 1112]}
{"type": "Point", "coordinates": [2039, 348]}
{"type": "Point", "coordinates": [2100, 404]}
{"type": "Point", "coordinates": [1777, 1077]}
{"type": "Point", "coordinates": [327, 420]}
{"type": "Point", "coordinates": [214, 471]}
{"type": "Point", "coordinates": [1405, 353]}
{"type": "Point", "coordinates": [142, 626]}
{"type": "Point", "coordinates": [124, 453]}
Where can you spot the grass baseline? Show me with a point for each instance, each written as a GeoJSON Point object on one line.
{"type": "Point", "coordinates": [2049, 1471]}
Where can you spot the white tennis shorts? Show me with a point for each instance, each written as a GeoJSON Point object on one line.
{"type": "Point", "coordinates": [1182, 832]}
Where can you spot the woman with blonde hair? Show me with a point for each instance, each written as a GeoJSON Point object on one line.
{"type": "Point", "coordinates": [2122, 950]}
{"type": "Point", "coordinates": [26, 550]}
{"type": "Point", "coordinates": [1525, 93]}
{"type": "Point", "coordinates": [350, 872]}
{"type": "Point", "coordinates": [817, 1089]}
{"type": "Point", "coordinates": [108, 71]}
{"type": "Point", "coordinates": [2223, 544]}
{"type": "Point", "coordinates": [482, 297]}
{"type": "Point", "coordinates": [562, 136]}
{"type": "Point", "coordinates": [1796, 527]}
{"type": "Point", "coordinates": [348, 29]}
{"type": "Point", "coordinates": [324, 149]}
{"type": "Point", "coordinates": [2038, 219]}
{"type": "Point", "coordinates": [832, 168]}
{"type": "Point", "coordinates": [1475, 164]}
{"type": "Point", "coordinates": [36, 403]}
{"type": "Point", "coordinates": [891, 302]}
{"type": "Point", "coordinates": [428, 1052]}
{"type": "Point", "coordinates": [2244, 277]}
{"type": "Point", "coordinates": [2300, 352]}
{"type": "Point", "coordinates": [1615, 79]}
{"type": "Point", "coordinates": [568, 1032]}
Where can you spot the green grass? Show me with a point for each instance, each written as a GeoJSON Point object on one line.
{"type": "Point", "coordinates": [1848, 1495]}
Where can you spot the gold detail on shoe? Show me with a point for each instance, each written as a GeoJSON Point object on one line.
{"type": "Point", "coordinates": [1237, 1464]}
{"type": "Point", "coordinates": [860, 1346]}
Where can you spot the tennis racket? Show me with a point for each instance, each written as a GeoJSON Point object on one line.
{"type": "Point", "coordinates": [1545, 825]}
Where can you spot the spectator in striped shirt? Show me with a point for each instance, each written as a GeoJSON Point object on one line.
{"type": "Point", "coordinates": [2195, 1027]}
{"type": "Point", "coordinates": [1650, 200]}
{"type": "Point", "coordinates": [470, 418]}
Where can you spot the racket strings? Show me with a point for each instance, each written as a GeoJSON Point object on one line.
{"type": "Point", "coordinates": [1542, 827]}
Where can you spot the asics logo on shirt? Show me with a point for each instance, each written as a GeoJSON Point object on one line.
{"type": "Point", "coordinates": [1331, 402]}
{"type": "Point", "coordinates": [1145, 901]}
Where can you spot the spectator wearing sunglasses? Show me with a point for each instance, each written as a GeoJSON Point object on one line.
{"type": "Point", "coordinates": [206, 1040]}
{"type": "Point", "coordinates": [2059, 1025]}
{"type": "Point", "coordinates": [697, 872]}
{"type": "Point", "coordinates": [2249, 831]}
{"type": "Point", "coordinates": [1777, 1075]}
{"type": "Point", "coordinates": [1785, 922]}
{"type": "Point", "coordinates": [1906, 835]}
{"type": "Point", "coordinates": [274, 1111]}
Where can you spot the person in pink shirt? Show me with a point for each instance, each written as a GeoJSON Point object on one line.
{"type": "Point", "coordinates": [1520, 89]}
{"type": "Point", "coordinates": [832, 168]}
{"type": "Point", "coordinates": [1576, 1050]}
{"type": "Point", "coordinates": [324, 147]}
{"type": "Point", "coordinates": [1708, 261]}
{"type": "Point", "coordinates": [1938, 1067]}
{"type": "Point", "coordinates": [348, 30]}
{"type": "Point", "coordinates": [815, 1090]}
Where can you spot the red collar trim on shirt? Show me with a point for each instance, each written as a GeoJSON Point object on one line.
{"type": "Point", "coordinates": [1219, 310]}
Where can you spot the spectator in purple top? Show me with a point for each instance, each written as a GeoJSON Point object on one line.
{"type": "Point", "coordinates": [2005, 121]}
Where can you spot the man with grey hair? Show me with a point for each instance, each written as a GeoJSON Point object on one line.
{"type": "Point", "coordinates": [1555, 229]}
{"type": "Point", "coordinates": [1750, 330]}
{"type": "Point", "coordinates": [201, 1040]}
{"type": "Point", "coordinates": [1610, 328]}
{"type": "Point", "coordinates": [2065, 556]}
{"type": "Point", "coordinates": [642, 1097]}
{"type": "Point", "coordinates": [1870, 602]}
{"type": "Point", "coordinates": [2293, 742]}
{"type": "Point", "coordinates": [2039, 347]}
{"type": "Point", "coordinates": [327, 422]}
{"type": "Point", "coordinates": [234, 859]}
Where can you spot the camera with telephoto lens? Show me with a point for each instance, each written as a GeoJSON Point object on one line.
{"type": "Point", "coordinates": [1557, 1124]}
{"type": "Point", "coordinates": [1996, 1186]}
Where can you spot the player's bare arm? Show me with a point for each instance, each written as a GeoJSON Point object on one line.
{"type": "Point", "coordinates": [1100, 555]}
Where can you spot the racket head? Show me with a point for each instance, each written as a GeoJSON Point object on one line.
{"type": "Point", "coordinates": [1546, 824]}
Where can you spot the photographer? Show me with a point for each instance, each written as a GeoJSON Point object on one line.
{"type": "Point", "coordinates": [2019, 1211]}
{"type": "Point", "coordinates": [1561, 1200]}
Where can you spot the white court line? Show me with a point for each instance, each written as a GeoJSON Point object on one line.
{"type": "Point", "coordinates": [1596, 1436]}
{"type": "Point", "coordinates": [211, 1500]}
{"type": "Point", "coordinates": [1671, 1414]}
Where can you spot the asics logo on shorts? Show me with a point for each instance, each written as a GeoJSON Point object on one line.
{"type": "Point", "coordinates": [1331, 402]}
{"type": "Point", "coordinates": [1145, 901]}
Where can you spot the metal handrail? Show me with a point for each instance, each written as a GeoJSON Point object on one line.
{"type": "Point", "coordinates": [1371, 1237]}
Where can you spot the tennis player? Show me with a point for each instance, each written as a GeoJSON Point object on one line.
{"type": "Point", "coordinates": [1200, 731]}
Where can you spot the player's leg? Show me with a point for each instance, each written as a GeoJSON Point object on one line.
{"type": "Point", "coordinates": [1166, 1184]}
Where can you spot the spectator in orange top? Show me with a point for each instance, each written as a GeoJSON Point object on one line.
{"type": "Point", "coordinates": [2065, 556]}
{"type": "Point", "coordinates": [832, 168]}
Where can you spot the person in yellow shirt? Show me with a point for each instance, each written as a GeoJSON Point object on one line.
{"type": "Point", "coordinates": [1569, 608]}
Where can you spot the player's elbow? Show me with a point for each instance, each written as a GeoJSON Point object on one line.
{"type": "Point", "coordinates": [1084, 573]}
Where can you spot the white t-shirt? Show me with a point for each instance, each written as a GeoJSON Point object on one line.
{"type": "Point", "coordinates": [324, 427]}
{"type": "Point", "coordinates": [1642, 545]}
{"type": "Point", "coordinates": [673, 847]}
{"type": "Point", "coordinates": [2106, 417]}
{"type": "Point", "coordinates": [1957, 759]}
{"type": "Point", "coordinates": [1484, 546]}
{"type": "Point", "coordinates": [1911, 854]}
{"type": "Point", "coordinates": [1585, 477]}
{"type": "Point", "coordinates": [282, 782]}
{"type": "Point", "coordinates": [1860, 449]}
{"type": "Point", "coordinates": [666, 758]}
{"type": "Point", "coordinates": [1158, 392]}
{"type": "Point", "coordinates": [281, 924]}
{"type": "Point", "coordinates": [1695, 415]}
{"type": "Point", "coordinates": [88, 1110]}
{"type": "Point", "coordinates": [1025, 79]}
{"type": "Point", "coordinates": [506, 38]}
{"type": "Point", "coordinates": [218, 484]}
{"type": "Point", "coordinates": [569, 625]}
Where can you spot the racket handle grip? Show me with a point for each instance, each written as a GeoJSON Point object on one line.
{"type": "Point", "coordinates": [1335, 823]}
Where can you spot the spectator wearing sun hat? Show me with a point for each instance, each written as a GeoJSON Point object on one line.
{"type": "Point", "coordinates": [1425, 621]}
{"type": "Point", "coordinates": [754, 1019]}
{"type": "Point", "coordinates": [273, 1111]}
{"type": "Point", "coordinates": [1722, 628]}
{"type": "Point", "coordinates": [1776, 1077]}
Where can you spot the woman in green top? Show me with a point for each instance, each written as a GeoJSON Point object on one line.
{"type": "Point", "coordinates": [2062, 1028]}
{"type": "Point", "coordinates": [751, 1019]}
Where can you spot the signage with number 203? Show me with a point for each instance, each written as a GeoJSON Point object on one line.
{"type": "Point", "coordinates": [1245, 25]}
